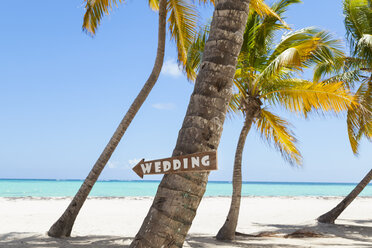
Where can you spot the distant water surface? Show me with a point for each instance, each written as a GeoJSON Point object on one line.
{"type": "Point", "coordinates": [62, 188]}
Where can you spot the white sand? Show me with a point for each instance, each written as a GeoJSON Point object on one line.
{"type": "Point", "coordinates": [112, 222]}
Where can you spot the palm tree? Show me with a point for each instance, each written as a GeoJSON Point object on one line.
{"type": "Point", "coordinates": [178, 196]}
{"type": "Point", "coordinates": [63, 226]}
{"type": "Point", "coordinates": [182, 21]}
{"type": "Point", "coordinates": [333, 214]}
{"type": "Point", "coordinates": [265, 76]}
{"type": "Point", "coordinates": [358, 68]}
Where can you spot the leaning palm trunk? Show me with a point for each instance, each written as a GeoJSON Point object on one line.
{"type": "Point", "coordinates": [227, 231]}
{"type": "Point", "coordinates": [251, 107]}
{"type": "Point", "coordinates": [178, 196]}
{"type": "Point", "coordinates": [332, 215]}
{"type": "Point", "coordinates": [63, 226]}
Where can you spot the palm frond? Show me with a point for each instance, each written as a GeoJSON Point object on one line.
{"type": "Point", "coordinates": [349, 78]}
{"type": "Point", "coordinates": [249, 46]}
{"type": "Point", "coordinates": [359, 120]}
{"type": "Point", "coordinates": [261, 29]}
{"type": "Point", "coordinates": [234, 106]}
{"type": "Point", "coordinates": [292, 39]}
{"type": "Point", "coordinates": [182, 25]}
{"type": "Point", "coordinates": [315, 45]}
{"type": "Point", "coordinates": [328, 67]}
{"type": "Point", "coordinates": [299, 50]}
{"type": "Point", "coordinates": [301, 96]}
{"type": "Point", "coordinates": [366, 41]}
{"type": "Point", "coordinates": [154, 4]}
{"type": "Point", "coordinates": [282, 6]}
{"type": "Point", "coordinates": [262, 9]}
{"type": "Point", "coordinates": [341, 69]}
{"type": "Point", "coordinates": [195, 53]}
{"type": "Point", "coordinates": [358, 16]}
{"type": "Point", "coordinates": [275, 131]}
{"type": "Point", "coordinates": [364, 47]}
{"type": "Point", "coordinates": [353, 128]}
{"type": "Point", "coordinates": [94, 12]}
{"type": "Point", "coordinates": [242, 86]}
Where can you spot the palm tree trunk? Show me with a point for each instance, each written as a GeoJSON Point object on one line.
{"type": "Point", "coordinates": [332, 215]}
{"type": "Point", "coordinates": [178, 196]}
{"type": "Point", "coordinates": [63, 226]}
{"type": "Point", "coordinates": [227, 231]}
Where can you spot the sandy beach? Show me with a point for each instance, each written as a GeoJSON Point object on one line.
{"type": "Point", "coordinates": [113, 222]}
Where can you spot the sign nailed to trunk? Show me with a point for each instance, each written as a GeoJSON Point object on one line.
{"type": "Point", "coordinates": [204, 161]}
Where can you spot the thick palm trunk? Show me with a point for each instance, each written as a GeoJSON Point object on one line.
{"type": "Point", "coordinates": [63, 226]}
{"type": "Point", "coordinates": [227, 231]}
{"type": "Point", "coordinates": [178, 196]}
{"type": "Point", "coordinates": [332, 215]}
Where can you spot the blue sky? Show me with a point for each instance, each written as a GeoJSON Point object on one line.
{"type": "Point", "coordinates": [62, 94]}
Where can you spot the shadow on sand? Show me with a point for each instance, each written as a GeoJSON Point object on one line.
{"type": "Point", "coordinates": [351, 233]}
{"type": "Point", "coordinates": [35, 240]}
{"type": "Point", "coordinates": [209, 242]}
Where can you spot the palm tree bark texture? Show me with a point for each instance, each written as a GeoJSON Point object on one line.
{"type": "Point", "coordinates": [252, 109]}
{"type": "Point", "coordinates": [332, 215]}
{"type": "Point", "coordinates": [178, 196]}
{"type": "Point", "coordinates": [63, 226]}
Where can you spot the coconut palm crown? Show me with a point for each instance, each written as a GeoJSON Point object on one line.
{"type": "Point", "coordinates": [354, 71]}
{"type": "Point", "coordinates": [267, 76]}
{"type": "Point", "coordinates": [181, 24]}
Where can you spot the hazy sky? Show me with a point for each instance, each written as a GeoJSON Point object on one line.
{"type": "Point", "coordinates": [62, 94]}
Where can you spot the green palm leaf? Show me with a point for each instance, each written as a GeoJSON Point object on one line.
{"type": "Point", "coordinates": [298, 50]}
{"type": "Point", "coordinates": [269, 24]}
{"type": "Point", "coordinates": [195, 53]}
{"type": "Point", "coordinates": [359, 120]}
{"type": "Point", "coordinates": [356, 69]}
{"type": "Point", "coordinates": [364, 47]}
{"type": "Point", "coordinates": [182, 24]}
{"type": "Point", "coordinates": [358, 16]}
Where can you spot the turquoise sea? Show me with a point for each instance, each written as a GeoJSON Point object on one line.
{"type": "Point", "coordinates": [62, 188]}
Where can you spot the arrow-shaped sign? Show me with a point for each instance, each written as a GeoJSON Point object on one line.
{"type": "Point", "coordinates": [204, 161]}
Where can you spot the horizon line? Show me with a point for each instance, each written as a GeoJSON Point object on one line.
{"type": "Point", "coordinates": [139, 180]}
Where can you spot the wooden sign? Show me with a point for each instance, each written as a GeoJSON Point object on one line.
{"type": "Point", "coordinates": [204, 161]}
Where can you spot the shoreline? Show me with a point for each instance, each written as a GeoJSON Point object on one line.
{"type": "Point", "coordinates": [30, 188]}
{"type": "Point", "coordinates": [158, 181]}
{"type": "Point", "coordinates": [152, 197]}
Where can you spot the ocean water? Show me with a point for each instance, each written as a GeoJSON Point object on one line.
{"type": "Point", "coordinates": [62, 188]}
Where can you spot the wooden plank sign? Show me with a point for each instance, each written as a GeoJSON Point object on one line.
{"type": "Point", "coordinates": [204, 161]}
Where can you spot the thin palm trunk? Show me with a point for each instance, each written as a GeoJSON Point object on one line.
{"type": "Point", "coordinates": [227, 231]}
{"type": "Point", "coordinates": [178, 196]}
{"type": "Point", "coordinates": [63, 226]}
{"type": "Point", "coordinates": [332, 215]}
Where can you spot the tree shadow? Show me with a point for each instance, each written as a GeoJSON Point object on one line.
{"type": "Point", "coordinates": [208, 241]}
{"type": "Point", "coordinates": [346, 233]}
{"type": "Point", "coordinates": [358, 222]}
{"type": "Point", "coordinates": [356, 235]}
{"type": "Point", "coordinates": [35, 240]}
{"type": "Point", "coordinates": [354, 231]}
